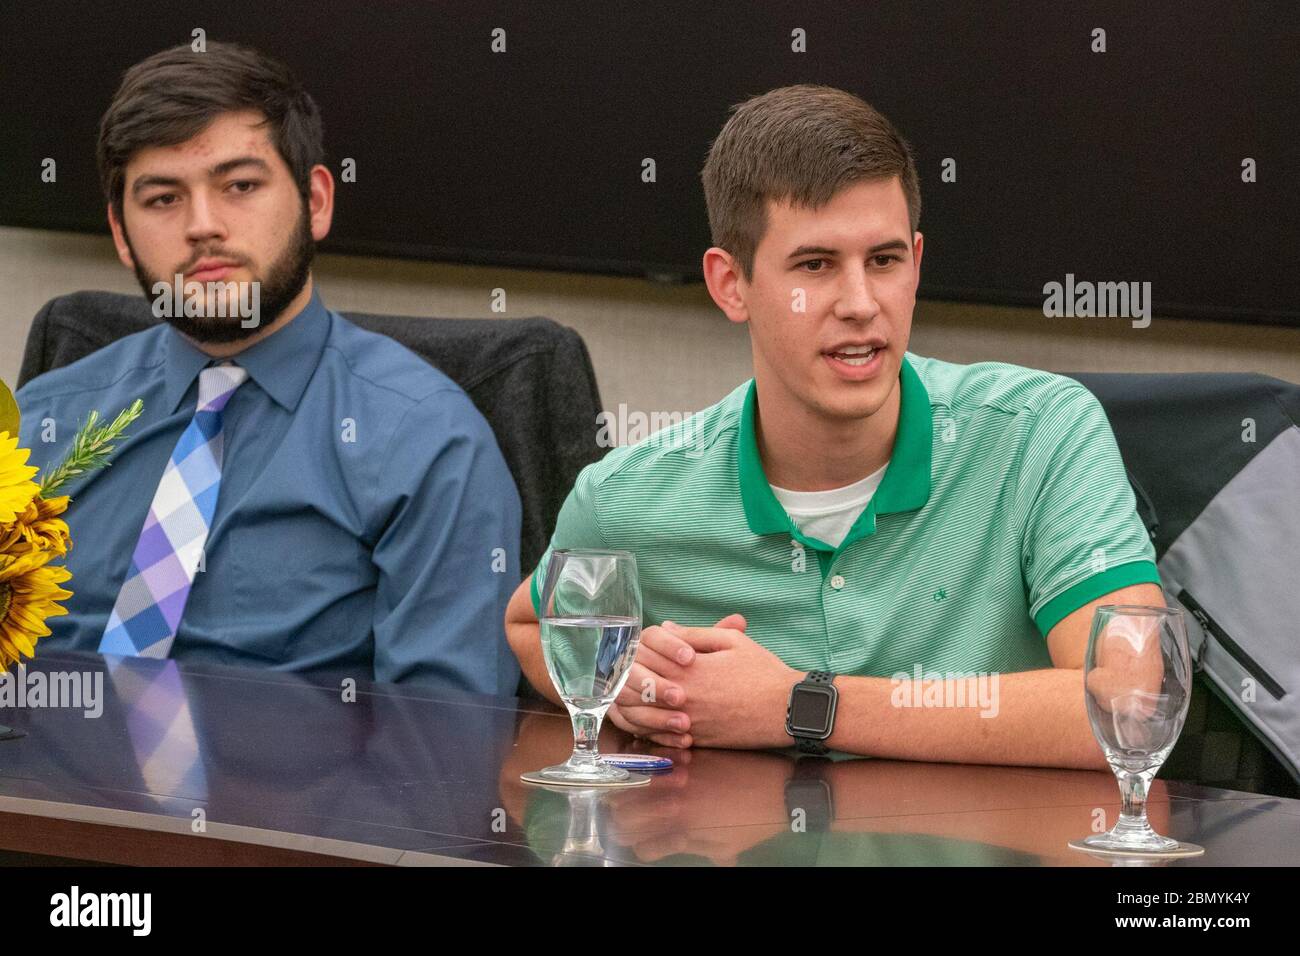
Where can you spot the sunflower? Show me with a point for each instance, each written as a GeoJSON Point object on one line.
{"type": "Point", "coordinates": [16, 486]}
{"type": "Point", "coordinates": [29, 588]}
{"type": "Point", "coordinates": [38, 528]}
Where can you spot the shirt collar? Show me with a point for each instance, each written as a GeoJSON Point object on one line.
{"type": "Point", "coordinates": [904, 487]}
{"type": "Point", "coordinates": [281, 364]}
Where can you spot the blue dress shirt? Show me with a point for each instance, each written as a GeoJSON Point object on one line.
{"type": "Point", "coordinates": [366, 520]}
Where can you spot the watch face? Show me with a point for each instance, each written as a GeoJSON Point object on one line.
{"type": "Point", "coordinates": [810, 710]}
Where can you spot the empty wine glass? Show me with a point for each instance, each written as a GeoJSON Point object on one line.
{"type": "Point", "coordinates": [1138, 684]}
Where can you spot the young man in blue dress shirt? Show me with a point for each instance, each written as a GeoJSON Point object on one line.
{"type": "Point", "coordinates": [326, 501]}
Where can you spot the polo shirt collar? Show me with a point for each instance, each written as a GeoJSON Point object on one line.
{"type": "Point", "coordinates": [904, 487]}
{"type": "Point", "coordinates": [281, 364]}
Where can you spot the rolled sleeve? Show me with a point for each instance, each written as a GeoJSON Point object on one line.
{"type": "Point", "coordinates": [448, 555]}
{"type": "Point", "coordinates": [1082, 536]}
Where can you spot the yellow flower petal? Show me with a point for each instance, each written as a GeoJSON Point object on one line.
{"type": "Point", "coordinates": [16, 486]}
{"type": "Point", "coordinates": [29, 590]}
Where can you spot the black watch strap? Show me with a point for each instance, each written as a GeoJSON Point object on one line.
{"type": "Point", "coordinates": [814, 748]}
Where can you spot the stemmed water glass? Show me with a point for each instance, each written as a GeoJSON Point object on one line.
{"type": "Point", "coordinates": [591, 628]}
{"type": "Point", "coordinates": [1138, 684]}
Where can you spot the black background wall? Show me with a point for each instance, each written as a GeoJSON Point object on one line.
{"type": "Point", "coordinates": [1117, 166]}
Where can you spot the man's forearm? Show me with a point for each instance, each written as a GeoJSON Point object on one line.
{"type": "Point", "coordinates": [526, 641]}
{"type": "Point", "coordinates": [1035, 718]}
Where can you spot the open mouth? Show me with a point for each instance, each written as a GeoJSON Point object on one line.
{"type": "Point", "coordinates": [855, 362]}
{"type": "Point", "coordinates": [856, 357]}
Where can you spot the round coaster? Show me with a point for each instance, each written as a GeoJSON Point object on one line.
{"type": "Point", "coordinates": [1178, 852]}
{"type": "Point", "coordinates": [642, 763]}
{"type": "Point", "coordinates": [633, 780]}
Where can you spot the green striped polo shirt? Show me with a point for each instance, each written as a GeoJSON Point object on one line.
{"type": "Point", "coordinates": [1005, 506]}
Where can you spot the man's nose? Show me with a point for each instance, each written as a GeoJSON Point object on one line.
{"type": "Point", "coordinates": [855, 298]}
{"type": "Point", "coordinates": [204, 221]}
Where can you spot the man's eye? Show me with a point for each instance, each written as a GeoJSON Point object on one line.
{"type": "Point", "coordinates": [243, 186]}
{"type": "Point", "coordinates": [813, 262]}
{"type": "Point", "coordinates": [162, 200]}
{"type": "Point", "coordinates": [887, 260]}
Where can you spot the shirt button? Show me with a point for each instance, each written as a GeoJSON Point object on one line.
{"type": "Point", "coordinates": [837, 582]}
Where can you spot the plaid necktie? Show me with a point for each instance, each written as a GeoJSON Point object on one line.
{"type": "Point", "coordinates": [149, 606]}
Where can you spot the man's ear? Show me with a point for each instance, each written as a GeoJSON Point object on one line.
{"type": "Point", "coordinates": [918, 243]}
{"type": "Point", "coordinates": [119, 240]}
{"type": "Point", "coordinates": [320, 202]}
{"type": "Point", "coordinates": [725, 283]}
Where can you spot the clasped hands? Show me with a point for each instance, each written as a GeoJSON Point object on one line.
{"type": "Point", "coordinates": [707, 687]}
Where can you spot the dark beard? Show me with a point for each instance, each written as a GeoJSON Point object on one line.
{"type": "Point", "coordinates": [283, 281]}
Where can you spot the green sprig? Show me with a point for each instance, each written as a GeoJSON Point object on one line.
{"type": "Point", "coordinates": [90, 449]}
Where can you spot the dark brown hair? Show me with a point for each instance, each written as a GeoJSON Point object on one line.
{"type": "Point", "coordinates": [799, 144]}
{"type": "Point", "coordinates": [173, 95]}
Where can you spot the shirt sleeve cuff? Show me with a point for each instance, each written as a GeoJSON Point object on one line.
{"type": "Point", "coordinates": [1089, 589]}
{"type": "Point", "coordinates": [537, 598]}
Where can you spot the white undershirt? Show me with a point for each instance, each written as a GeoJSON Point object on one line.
{"type": "Point", "coordinates": [828, 515]}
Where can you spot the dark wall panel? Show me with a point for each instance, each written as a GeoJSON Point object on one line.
{"type": "Point", "coordinates": [1122, 166]}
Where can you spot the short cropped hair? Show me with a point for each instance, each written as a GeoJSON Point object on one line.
{"type": "Point", "coordinates": [798, 144]}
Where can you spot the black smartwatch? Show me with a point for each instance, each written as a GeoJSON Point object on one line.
{"type": "Point", "coordinates": [810, 715]}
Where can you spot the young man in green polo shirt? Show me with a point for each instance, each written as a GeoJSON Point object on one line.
{"type": "Point", "coordinates": [876, 518]}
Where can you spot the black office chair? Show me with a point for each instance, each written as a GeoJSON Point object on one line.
{"type": "Point", "coordinates": [531, 378]}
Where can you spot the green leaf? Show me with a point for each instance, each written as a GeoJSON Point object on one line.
{"type": "Point", "coordinates": [8, 411]}
{"type": "Point", "coordinates": [91, 448]}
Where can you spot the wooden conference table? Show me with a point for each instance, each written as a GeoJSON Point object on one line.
{"type": "Point", "coordinates": [212, 765]}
